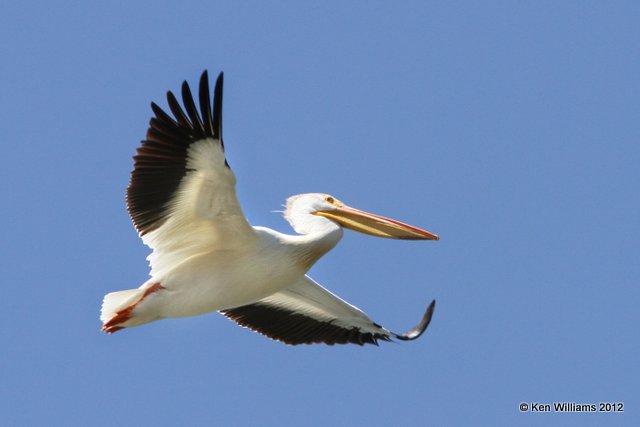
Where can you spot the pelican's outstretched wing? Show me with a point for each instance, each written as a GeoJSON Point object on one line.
{"type": "Point", "coordinates": [307, 313]}
{"type": "Point", "coordinates": [182, 195]}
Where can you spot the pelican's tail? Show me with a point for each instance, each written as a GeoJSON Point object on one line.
{"type": "Point", "coordinates": [117, 308]}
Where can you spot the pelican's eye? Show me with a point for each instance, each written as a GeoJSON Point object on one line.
{"type": "Point", "coordinates": [329, 199]}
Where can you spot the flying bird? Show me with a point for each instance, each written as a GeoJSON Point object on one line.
{"type": "Point", "coordinates": [207, 257]}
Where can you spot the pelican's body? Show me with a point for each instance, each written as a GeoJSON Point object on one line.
{"type": "Point", "coordinates": [206, 257]}
{"type": "Point", "coordinates": [222, 278]}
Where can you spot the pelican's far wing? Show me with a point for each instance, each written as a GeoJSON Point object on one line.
{"type": "Point", "coordinates": [182, 191]}
{"type": "Point", "coordinates": [307, 313]}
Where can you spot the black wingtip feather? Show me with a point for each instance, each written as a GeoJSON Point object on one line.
{"type": "Point", "coordinates": [176, 109]}
{"type": "Point", "coordinates": [205, 104]}
{"type": "Point", "coordinates": [162, 116]}
{"type": "Point", "coordinates": [217, 106]}
{"type": "Point", "coordinates": [420, 327]}
{"type": "Point", "coordinates": [190, 106]}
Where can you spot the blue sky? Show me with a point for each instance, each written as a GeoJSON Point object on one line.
{"type": "Point", "coordinates": [511, 129]}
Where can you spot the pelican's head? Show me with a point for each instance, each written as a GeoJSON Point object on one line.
{"type": "Point", "coordinates": [303, 210]}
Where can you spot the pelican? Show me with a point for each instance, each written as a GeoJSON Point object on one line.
{"type": "Point", "coordinates": [207, 257]}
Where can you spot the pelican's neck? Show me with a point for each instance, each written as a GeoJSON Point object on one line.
{"type": "Point", "coordinates": [309, 248]}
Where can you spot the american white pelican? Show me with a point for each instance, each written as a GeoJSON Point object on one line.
{"type": "Point", "coordinates": [205, 255]}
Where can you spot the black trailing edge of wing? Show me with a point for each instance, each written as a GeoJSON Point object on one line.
{"type": "Point", "coordinates": [296, 328]}
{"type": "Point", "coordinates": [160, 162]}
